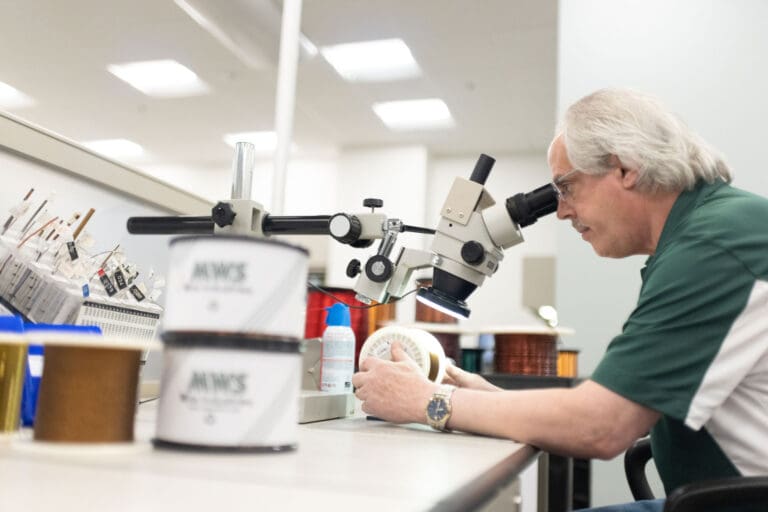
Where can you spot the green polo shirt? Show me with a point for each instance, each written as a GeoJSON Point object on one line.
{"type": "Point", "coordinates": [695, 348]}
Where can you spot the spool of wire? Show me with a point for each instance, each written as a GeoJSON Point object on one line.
{"type": "Point", "coordinates": [526, 354]}
{"type": "Point", "coordinates": [88, 389]}
{"type": "Point", "coordinates": [420, 346]}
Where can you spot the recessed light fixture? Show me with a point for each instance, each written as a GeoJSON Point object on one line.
{"type": "Point", "coordinates": [11, 98]}
{"type": "Point", "coordinates": [264, 141]}
{"type": "Point", "coordinates": [426, 114]}
{"type": "Point", "coordinates": [115, 148]}
{"type": "Point", "coordinates": [160, 78]}
{"type": "Point", "coordinates": [372, 61]}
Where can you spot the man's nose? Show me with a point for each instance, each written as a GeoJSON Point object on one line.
{"type": "Point", "coordinates": [564, 210]}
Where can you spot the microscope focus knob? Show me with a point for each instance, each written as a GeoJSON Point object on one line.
{"type": "Point", "coordinates": [378, 268]}
{"type": "Point", "coordinates": [223, 214]}
{"type": "Point", "coordinates": [345, 228]}
{"type": "Point", "coordinates": [373, 203]}
{"type": "Point", "coordinates": [473, 253]}
{"type": "Point", "coordinates": [353, 268]}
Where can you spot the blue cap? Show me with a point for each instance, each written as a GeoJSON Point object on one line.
{"type": "Point", "coordinates": [68, 328]}
{"type": "Point", "coordinates": [338, 314]}
{"type": "Point", "coordinates": [11, 324]}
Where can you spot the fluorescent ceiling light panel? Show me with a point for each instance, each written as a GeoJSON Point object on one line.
{"type": "Point", "coordinates": [372, 61]}
{"type": "Point", "coordinates": [11, 98]}
{"type": "Point", "coordinates": [115, 148]}
{"type": "Point", "coordinates": [160, 78]}
{"type": "Point", "coordinates": [423, 114]}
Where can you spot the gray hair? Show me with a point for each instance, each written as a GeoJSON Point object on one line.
{"type": "Point", "coordinates": [644, 136]}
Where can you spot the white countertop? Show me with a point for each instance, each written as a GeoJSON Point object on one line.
{"type": "Point", "coordinates": [350, 464]}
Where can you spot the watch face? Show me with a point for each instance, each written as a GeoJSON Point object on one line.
{"type": "Point", "coordinates": [437, 409]}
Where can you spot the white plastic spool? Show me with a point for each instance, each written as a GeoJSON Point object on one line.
{"type": "Point", "coordinates": [420, 346]}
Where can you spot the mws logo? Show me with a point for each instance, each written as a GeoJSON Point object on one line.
{"type": "Point", "coordinates": [219, 271]}
{"type": "Point", "coordinates": [218, 382]}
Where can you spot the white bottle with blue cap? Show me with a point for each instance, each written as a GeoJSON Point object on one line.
{"type": "Point", "coordinates": [337, 359]}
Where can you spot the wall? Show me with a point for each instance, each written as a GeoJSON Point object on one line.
{"type": "Point", "coordinates": [397, 176]}
{"type": "Point", "coordinates": [704, 59]}
{"type": "Point", "coordinates": [310, 190]}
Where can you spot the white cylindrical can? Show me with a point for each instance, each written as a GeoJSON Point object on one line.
{"type": "Point", "coordinates": [236, 284]}
{"type": "Point", "coordinates": [229, 392]}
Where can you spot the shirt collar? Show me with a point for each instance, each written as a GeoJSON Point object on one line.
{"type": "Point", "coordinates": [685, 204]}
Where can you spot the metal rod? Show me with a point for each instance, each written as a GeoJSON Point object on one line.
{"type": "Point", "coordinates": [296, 225]}
{"type": "Point", "coordinates": [286, 97]}
{"type": "Point", "coordinates": [170, 225]}
{"type": "Point", "coordinates": [37, 231]}
{"type": "Point", "coordinates": [82, 224]}
{"type": "Point", "coordinates": [242, 170]}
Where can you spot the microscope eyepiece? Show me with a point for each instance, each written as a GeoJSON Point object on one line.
{"type": "Point", "coordinates": [525, 209]}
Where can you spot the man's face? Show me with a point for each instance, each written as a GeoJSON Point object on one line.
{"type": "Point", "coordinates": [600, 207]}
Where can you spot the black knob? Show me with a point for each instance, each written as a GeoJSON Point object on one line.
{"type": "Point", "coordinates": [353, 268]}
{"type": "Point", "coordinates": [345, 228]}
{"type": "Point", "coordinates": [223, 214]}
{"type": "Point", "coordinates": [373, 203]}
{"type": "Point", "coordinates": [378, 268]}
{"type": "Point", "coordinates": [473, 253]}
{"type": "Point", "coordinates": [362, 244]}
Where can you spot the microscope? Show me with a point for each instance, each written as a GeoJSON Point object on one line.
{"type": "Point", "coordinates": [467, 245]}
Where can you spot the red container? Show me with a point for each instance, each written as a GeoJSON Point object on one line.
{"type": "Point", "coordinates": [316, 314]}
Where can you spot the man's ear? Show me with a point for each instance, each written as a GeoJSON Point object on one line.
{"type": "Point", "coordinates": [629, 177]}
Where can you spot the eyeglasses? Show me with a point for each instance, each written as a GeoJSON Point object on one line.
{"type": "Point", "coordinates": [562, 185]}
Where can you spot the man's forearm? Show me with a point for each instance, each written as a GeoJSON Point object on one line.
{"type": "Point", "coordinates": [577, 422]}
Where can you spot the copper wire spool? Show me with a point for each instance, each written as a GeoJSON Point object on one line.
{"type": "Point", "coordinates": [567, 363]}
{"type": "Point", "coordinates": [87, 394]}
{"type": "Point", "coordinates": [526, 354]}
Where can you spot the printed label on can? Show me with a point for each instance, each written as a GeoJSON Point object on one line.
{"type": "Point", "coordinates": [229, 398]}
{"type": "Point", "coordinates": [231, 285]}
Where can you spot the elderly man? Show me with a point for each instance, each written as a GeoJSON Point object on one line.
{"type": "Point", "coordinates": [691, 363]}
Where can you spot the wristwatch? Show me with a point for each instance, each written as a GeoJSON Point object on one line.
{"type": "Point", "coordinates": [439, 407]}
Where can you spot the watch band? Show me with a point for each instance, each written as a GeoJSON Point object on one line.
{"type": "Point", "coordinates": [439, 408]}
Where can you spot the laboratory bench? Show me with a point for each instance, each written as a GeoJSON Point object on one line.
{"type": "Point", "coordinates": [346, 464]}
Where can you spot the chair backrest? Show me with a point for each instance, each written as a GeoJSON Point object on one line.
{"type": "Point", "coordinates": [739, 493]}
{"type": "Point", "coordinates": [635, 460]}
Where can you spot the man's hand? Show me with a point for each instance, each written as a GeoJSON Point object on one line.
{"type": "Point", "coordinates": [458, 377]}
{"type": "Point", "coordinates": [396, 390]}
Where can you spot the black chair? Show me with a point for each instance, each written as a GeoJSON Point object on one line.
{"type": "Point", "coordinates": [737, 493]}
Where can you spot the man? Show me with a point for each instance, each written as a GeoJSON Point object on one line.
{"type": "Point", "coordinates": [691, 363]}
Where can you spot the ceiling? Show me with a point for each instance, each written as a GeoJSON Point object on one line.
{"type": "Point", "coordinates": [492, 61]}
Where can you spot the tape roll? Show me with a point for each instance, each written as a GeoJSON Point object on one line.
{"type": "Point", "coordinates": [420, 346]}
